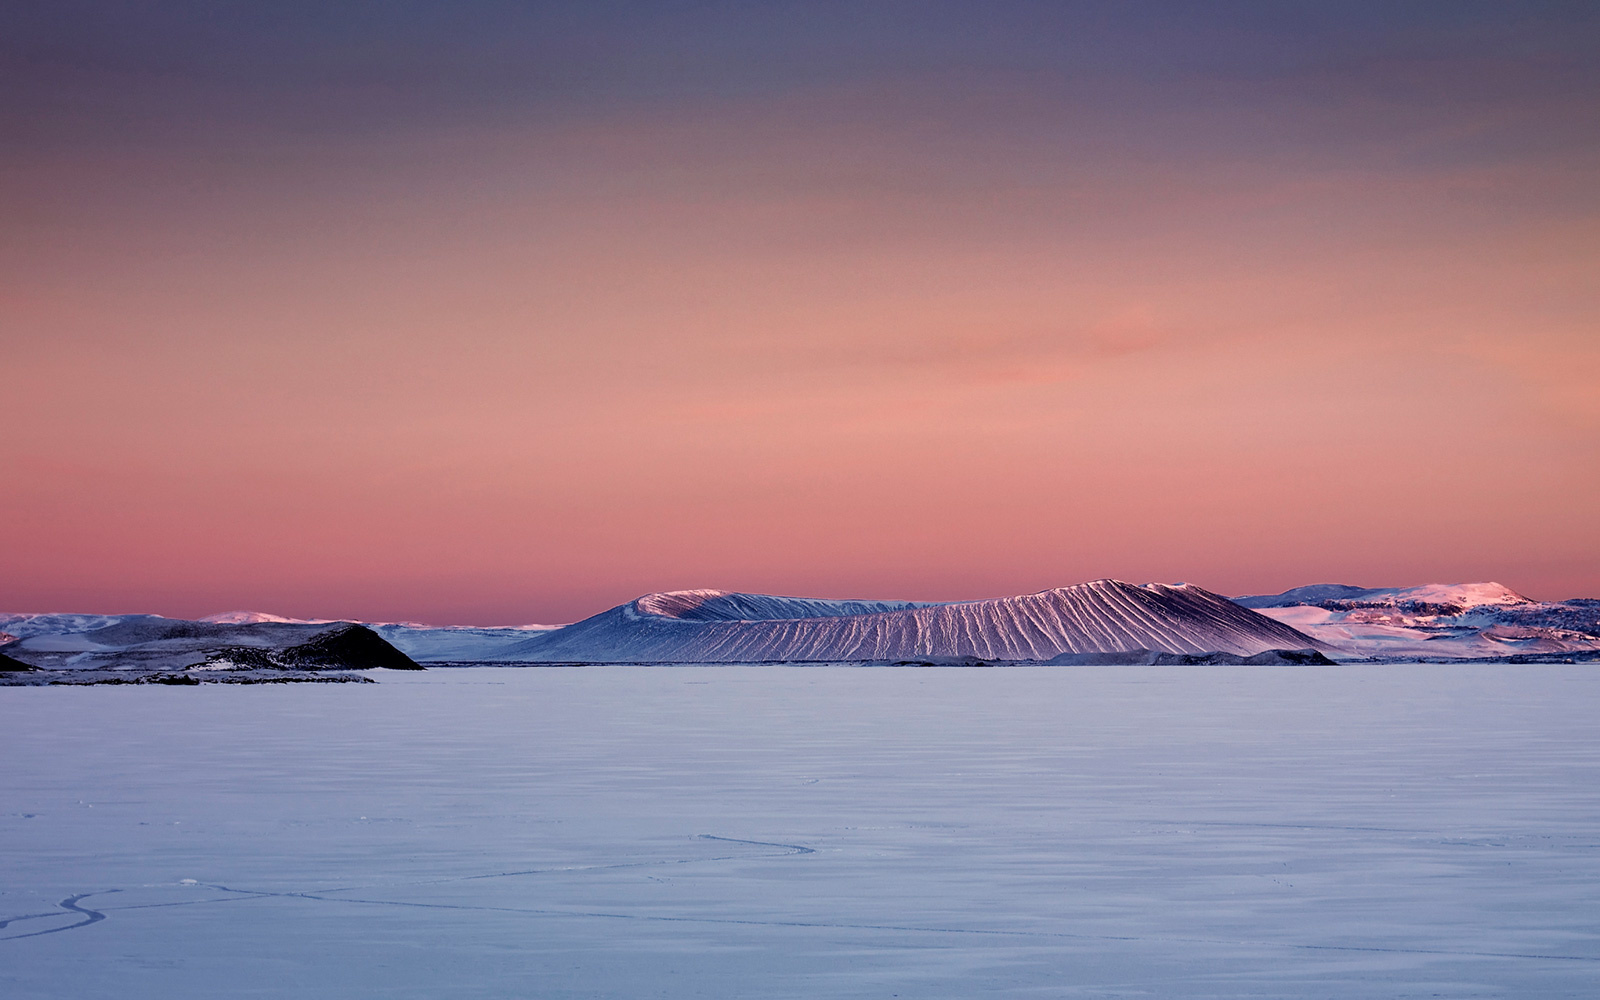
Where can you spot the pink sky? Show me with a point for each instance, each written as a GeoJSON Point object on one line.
{"type": "Point", "coordinates": [855, 341]}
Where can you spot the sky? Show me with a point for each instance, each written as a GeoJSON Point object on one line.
{"type": "Point", "coordinates": [483, 312]}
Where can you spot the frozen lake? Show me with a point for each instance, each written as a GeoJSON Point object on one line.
{"type": "Point", "coordinates": [809, 832]}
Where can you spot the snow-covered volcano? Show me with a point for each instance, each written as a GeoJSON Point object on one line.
{"type": "Point", "coordinates": [710, 626]}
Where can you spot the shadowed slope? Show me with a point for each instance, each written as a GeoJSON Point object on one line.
{"type": "Point", "coordinates": [347, 647]}
{"type": "Point", "coordinates": [12, 666]}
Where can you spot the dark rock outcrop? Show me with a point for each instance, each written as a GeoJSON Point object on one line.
{"type": "Point", "coordinates": [340, 647]}
{"type": "Point", "coordinates": [1156, 658]}
{"type": "Point", "coordinates": [1289, 657]}
{"type": "Point", "coordinates": [346, 647]}
{"type": "Point", "coordinates": [12, 666]}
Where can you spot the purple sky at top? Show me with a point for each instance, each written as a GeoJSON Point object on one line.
{"type": "Point", "coordinates": [507, 312]}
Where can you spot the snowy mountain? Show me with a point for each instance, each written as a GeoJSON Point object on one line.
{"type": "Point", "coordinates": [23, 626]}
{"type": "Point", "coordinates": [1455, 620]}
{"type": "Point", "coordinates": [1449, 598]}
{"type": "Point", "coordinates": [710, 626]}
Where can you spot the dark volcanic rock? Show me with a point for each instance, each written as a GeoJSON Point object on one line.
{"type": "Point", "coordinates": [341, 647]}
{"type": "Point", "coordinates": [10, 666]}
{"type": "Point", "coordinates": [1124, 658]}
{"type": "Point", "coordinates": [1154, 658]}
{"type": "Point", "coordinates": [346, 647]}
{"type": "Point", "coordinates": [244, 658]}
{"type": "Point", "coordinates": [1289, 657]}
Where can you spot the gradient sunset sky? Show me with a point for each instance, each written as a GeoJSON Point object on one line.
{"type": "Point", "coordinates": [509, 312]}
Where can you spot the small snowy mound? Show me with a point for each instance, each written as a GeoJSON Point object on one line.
{"type": "Point", "coordinates": [257, 618]}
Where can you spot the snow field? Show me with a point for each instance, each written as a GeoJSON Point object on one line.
{"type": "Point", "coordinates": [809, 832]}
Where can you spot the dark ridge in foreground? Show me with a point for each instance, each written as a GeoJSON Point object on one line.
{"type": "Point", "coordinates": [99, 678]}
{"type": "Point", "coordinates": [1573, 656]}
{"type": "Point", "coordinates": [11, 666]}
{"type": "Point", "coordinates": [1156, 658]}
{"type": "Point", "coordinates": [346, 647]}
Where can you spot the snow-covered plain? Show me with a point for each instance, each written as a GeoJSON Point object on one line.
{"type": "Point", "coordinates": [1357, 831]}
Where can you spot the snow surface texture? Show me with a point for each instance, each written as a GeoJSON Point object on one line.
{"type": "Point", "coordinates": [1447, 620]}
{"type": "Point", "coordinates": [712, 626]}
{"type": "Point", "coordinates": [1350, 833]}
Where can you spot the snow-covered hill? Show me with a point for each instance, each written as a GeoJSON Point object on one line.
{"type": "Point", "coordinates": [23, 626]}
{"type": "Point", "coordinates": [1103, 616]}
{"type": "Point", "coordinates": [446, 643]}
{"type": "Point", "coordinates": [1456, 620]}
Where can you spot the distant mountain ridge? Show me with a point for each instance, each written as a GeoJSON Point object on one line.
{"type": "Point", "coordinates": [1457, 596]}
{"type": "Point", "coordinates": [1458, 619]}
{"type": "Point", "coordinates": [1103, 617]}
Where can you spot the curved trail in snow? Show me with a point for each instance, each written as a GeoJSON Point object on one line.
{"type": "Point", "coordinates": [789, 850]}
{"type": "Point", "coordinates": [238, 895]}
{"type": "Point", "coordinates": [70, 904]}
